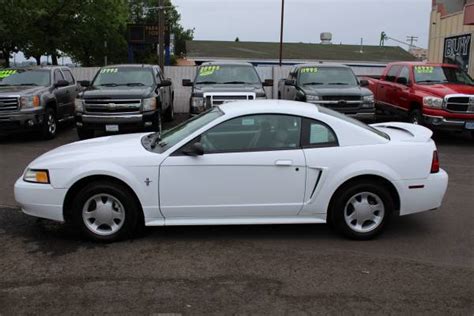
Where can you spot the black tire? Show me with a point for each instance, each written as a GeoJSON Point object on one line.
{"type": "Point", "coordinates": [169, 114]}
{"type": "Point", "coordinates": [131, 211]}
{"type": "Point", "coordinates": [49, 126]}
{"type": "Point", "coordinates": [83, 133]}
{"type": "Point", "coordinates": [415, 117]}
{"type": "Point", "coordinates": [340, 208]}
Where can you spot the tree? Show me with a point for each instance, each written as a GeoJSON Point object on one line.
{"type": "Point", "coordinates": [237, 39]}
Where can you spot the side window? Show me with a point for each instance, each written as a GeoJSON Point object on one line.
{"type": "Point", "coordinates": [318, 134]}
{"type": "Point", "coordinates": [405, 73]}
{"type": "Point", "coordinates": [58, 76]}
{"type": "Point", "coordinates": [159, 76]}
{"type": "Point", "coordinates": [392, 73]}
{"type": "Point", "coordinates": [254, 133]}
{"type": "Point", "coordinates": [68, 76]}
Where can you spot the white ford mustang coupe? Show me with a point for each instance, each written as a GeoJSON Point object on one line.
{"type": "Point", "coordinates": [255, 162]}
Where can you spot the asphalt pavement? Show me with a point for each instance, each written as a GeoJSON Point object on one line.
{"type": "Point", "coordinates": [422, 264]}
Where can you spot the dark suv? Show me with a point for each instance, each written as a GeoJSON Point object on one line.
{"type": "Point", "coordinates": [36, 99]}
{"type": "Point", "coordinates": [122, 98]}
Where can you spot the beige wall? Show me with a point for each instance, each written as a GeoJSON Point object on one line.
{"type": "Point", "coordinates": [440, 28]}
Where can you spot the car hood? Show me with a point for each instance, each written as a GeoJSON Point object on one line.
{"type": "Point", "coordinates": [336, 90]}
{"type": "Point", "coordinates": [121, 92]}
{"type": "Point", "coordinates": [21, 90]}
{"type": "Point", "coordinates": [441, 90]}
{"type": "Point", "coordinates": [126, 150]}
{"type": "Point", "coordinates": [198, 89]}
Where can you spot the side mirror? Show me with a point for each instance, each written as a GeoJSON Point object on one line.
{"type": "Point", "coordinates": [290, 82]}
{"type": "Point", "coordinates": [268, 83]}
{"type": "Point", "coordinates": [194, 150]}
{"type": "Point", "coordinates": [403, 81]}
{"type": "Point", "coordinates": [364, 83]}
{"type": "Point", "coordinates": [187, 83]}
{"type": "Point", "coordinates": [84, 83]}
{"type": "Point", "coordinates": [165, 83]}
{"type": "Point", "coordinates": [61, 83]}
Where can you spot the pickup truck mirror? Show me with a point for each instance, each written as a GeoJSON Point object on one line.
{"type": "Point", "coordinates": [403, 81]}
{"type": "Point", "coordinates": [61, 83]}
{"type": "Point", "coordinates": [84, 83]}
{"type": "Point", "coordinates": [364, 83]}
{"type": "Point", "coordinates": [194, 150]}
{"type": "Point", "coordinates": [268, 83]}
{"type": "Point", "coordinates": [165, 83]}
{"type": "Point", "coordinates": [290, 82]}
{"type": "Point", "coordinates": [187, 83]}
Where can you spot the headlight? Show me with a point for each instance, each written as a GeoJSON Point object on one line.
{"type": "Point", "coordinates": [30, 102]}
{"type": "Point", "coordinates": [36, 176]}
{"type": "Point", "coordinates": [78, 105]}
{"type": "Point", "coordinates": [433, 102]}
{"type": "Point", "coordinates": [149, 104]}
{"type": "Point", "coordinates": [368, 98]}
{"type": "Point", "coordinates": [312, 98]}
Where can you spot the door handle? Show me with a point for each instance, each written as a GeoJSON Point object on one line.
{"type": "Point", "coordinates": [283, 163]}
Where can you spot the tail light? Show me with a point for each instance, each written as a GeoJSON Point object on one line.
{"type": "Point", "coordinates": [435, 163]}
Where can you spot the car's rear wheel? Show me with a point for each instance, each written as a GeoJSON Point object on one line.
{"type": "Point", "coordinates": [50, 124]}
{"type": "Point", "coordinates": [105, 211]}
{"type": "Point", "coordinates": [415, 117]}
{"type": "Point", "coordinates": [361, 210]}
{"type": "Point", "coordinates": [83, 133]}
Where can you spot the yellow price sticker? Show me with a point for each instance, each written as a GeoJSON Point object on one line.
{"type": "Point", "coordinates": [424, 69]}
{"type": "Point", "coordinates": [7, 72]}
{"type": "Point", "coordinates": [208, 70]}
{"type": "Point", "coordinates": [108, 70]}
{"type": "Point", "coordinates": [309, 70]}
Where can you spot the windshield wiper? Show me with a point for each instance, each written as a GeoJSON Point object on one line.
{"type": "Point", "coordinates": [234, 82]}
{"type": "Point", "coordinates": [429, 81]}
{"type": "Point", "coordinates": [135, 84]}
{"type": "Point", "coordinates": [312, 83]}
{"type": "Point", "coordinates": [28, 84]}
{"type": "Point", "coordinates": [338, 83]}
{"type": "Point", "coordinates": [206, 82]}
{"type": "Point", "coordinates": [5, 84]}
{"type": "Point", "coordinates": [112, 84]}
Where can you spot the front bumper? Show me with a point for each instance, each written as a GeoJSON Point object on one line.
{"type": "Point", "coordinates": [19, 121]}
{"type": "Point", "coordinates": [442, 123]}
{"type": "Point", "coordinates": [40, 200]}
{"type": "Point", "coordinates": [124, 121]}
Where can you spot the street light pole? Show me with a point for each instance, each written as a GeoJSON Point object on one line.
{"type": "Point", "coordinates": [161, 21]}
{"type": "Point", "coordinates": [281, 28]}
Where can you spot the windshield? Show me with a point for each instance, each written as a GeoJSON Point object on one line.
{"type": "Point", "coordinates": [326, 76]}
{"type": "Point", "coordinates": [29, 77]}
{"type": "Point", "coordinates": [227, 74]}
{"type": "Point", "coordinates": [438, 74]}
{"type": "Point", "coordinates": [352, 121]}
{"type": "Point", "coordinates": [124, 76]}
{"type": "Point", "coordinates": [176, 134]}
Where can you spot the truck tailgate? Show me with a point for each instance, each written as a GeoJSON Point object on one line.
{"type": "Point", "coordinates": [404, 131]}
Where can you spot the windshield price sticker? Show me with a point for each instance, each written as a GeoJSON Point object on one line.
{"type": "Point", "coordinates": [309, 69]}
{"type": "Point", "coordinates": [108, 70]}
{"type": "Point", "coordinates": [208, 70]}
{"type": "Point", "coordinates": [6, 73]}
{"type": "Point", "coordinates": [424, 69]}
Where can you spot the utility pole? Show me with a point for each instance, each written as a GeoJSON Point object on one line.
{"type": "Point", "coordinates": [281, 28]}
{"type": "Point", "coordinates": [161, 26]}
{"type": "Point", "coordinates": [411, 40]}
{"type": "Point", "coordinates": [105, 56]}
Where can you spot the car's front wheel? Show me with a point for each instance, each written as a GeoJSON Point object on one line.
{"type": "Point", "coordinates": [105, 211]}
{"type": "Point", "coordinates": [415, 117]}
{"type": "Point", "coordinates": [50, 124]}
{"type": "Point", "coordinates": [361, 210]}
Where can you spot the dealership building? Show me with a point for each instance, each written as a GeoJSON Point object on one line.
{"type": "Point", "coordinates": [451, 32]}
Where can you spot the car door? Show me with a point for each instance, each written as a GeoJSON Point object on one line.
{"type": "Point", "coordinates": [60, 93]}
{"type": "Point", "coordinates": [386, 88]}
{"type": "Point", "coordinates": [402, 89]}
{"type": "Point", "coordinates": [71, 92]}
{"type": "Point", "coordinates": [291, 90]}
{"type": "Point", "coordinates": [164, 91]}
{"type": "Point", "coordinates": [252, 166]}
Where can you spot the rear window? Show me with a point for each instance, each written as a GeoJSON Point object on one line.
{"type": "Point", "coordinates": [352, 121]}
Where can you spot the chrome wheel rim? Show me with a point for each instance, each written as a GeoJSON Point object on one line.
{"type": "Point", "coordinates": [103, 214]}
{"type": "Point", "coordinates": [51, 124]}
{"type": "Point", "coordinates": [364, 212]}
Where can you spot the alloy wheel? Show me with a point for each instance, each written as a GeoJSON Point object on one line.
{"type": "Point", "coordinates": [364, 212]}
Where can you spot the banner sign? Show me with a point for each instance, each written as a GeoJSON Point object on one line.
{"type": "Point", "coordinates": [457, 50]}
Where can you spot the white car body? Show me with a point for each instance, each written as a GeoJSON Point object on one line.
{"type": "Point", "coordinates": [248, 187]}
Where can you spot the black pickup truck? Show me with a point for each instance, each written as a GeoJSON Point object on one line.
{"type": "Point", "coordinates": [36, 99]}
{"type": "Point", "coordinates": [219, 82]}
{"type": "Point", "coordinates": [122, 98]}
{"type": "Point", "coordinates": [331, 85]}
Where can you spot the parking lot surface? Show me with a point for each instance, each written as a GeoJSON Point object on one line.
{"type": "Point", "coordinates": [422, 264]}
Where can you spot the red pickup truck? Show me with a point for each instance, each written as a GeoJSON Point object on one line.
{"type": "Point", "coordinates": [440, 96]}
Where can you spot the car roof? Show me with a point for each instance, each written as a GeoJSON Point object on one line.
{"type": "Point", "coordinates": [269, 106]}
{"type": "Point", "coordinates": [227, 63]}
{"type": "Point", "coordinates": [421, 63]}
{"type": "Point", "coordinates": [322, 65]}
{"type": "Point", "coordinates": [130, 65]}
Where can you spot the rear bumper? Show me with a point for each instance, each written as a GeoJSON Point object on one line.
{"type": "Point", "coordinates": [20, 121]}
{"type": "Point", "coordinates": [124, 121]}
{"type": "Point", "coordinates": [442, 123]}
{"type": "Point", "coordinates": [422, 195]}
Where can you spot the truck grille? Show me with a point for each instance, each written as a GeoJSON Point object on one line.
{"type": "Point", "coordinates": [341, 98]}
{"type": "Point", "coordinates": [220, 98]}
{"type": "Point", "coordinates": [460, 103]}
{"type": "Point", "coordinates": [112, 105]}
{"type": "Point", "coordinates": [9, 103]}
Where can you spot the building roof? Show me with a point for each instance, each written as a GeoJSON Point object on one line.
{"type": "Point", "coordinates": [255, 51]}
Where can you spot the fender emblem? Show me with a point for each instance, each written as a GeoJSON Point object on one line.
{"type": "Point", "coordinates": [148, 181]}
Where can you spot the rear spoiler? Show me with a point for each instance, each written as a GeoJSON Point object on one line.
{"type": "Point", "coordinates": [418, 132]}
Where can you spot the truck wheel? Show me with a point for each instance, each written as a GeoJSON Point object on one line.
{"type": "Point", "coordinates": [105, 211]}
{"type": "Point", "coordinates": [169, 114]}
{"type": "Point", "coordinates": [415, 117]}
{"type": "Point", "coordinates": [361, 210]}
{"type": "Point", "coordinates": [50, 124]}
{"type": "Point", "coordinates": [83, 133]}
